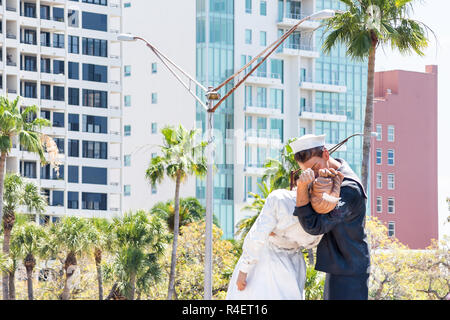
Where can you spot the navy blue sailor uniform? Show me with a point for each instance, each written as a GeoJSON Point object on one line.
{"type": "Point", "coordinates": [343, 252]}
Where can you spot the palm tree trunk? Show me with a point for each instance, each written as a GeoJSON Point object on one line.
{"type": "Point", "coordinates": [2, 178]}
{"type": "Point", "coordinates": [98, 261]}
{"type": "Point", "coordinates": [12, 285]}
{"type": "Point", "coordinates": [132, 285]}
{"type": "Point", "coordinates": [368, 116]}
{"type": "Point", "coordinates": [5, 276]}
{"type": "Point", "coordinates": [69, 266]}
{"type": "Point", "coordinates": [29, 263]}
{"type": "Point", "coordinates": [176, 225]}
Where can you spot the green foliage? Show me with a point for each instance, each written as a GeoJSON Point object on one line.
{"type": "Point", "coordinates": [190, 210]}
{"type": "Point", "coordinates": [367, 24]}
{"type": "Point", "coordinates": [277, 173]}
{"type": "Point", "coordinates": [14, 122]}
{"type": "Point", "coordinates": [180, 155]}
{"type": "Point", "coordinates": [140, 240]}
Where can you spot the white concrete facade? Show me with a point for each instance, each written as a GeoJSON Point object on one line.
{"type": "Point", "coordinates": [171, 27]}
{"type": "Point", "coordinates": [17, 42]}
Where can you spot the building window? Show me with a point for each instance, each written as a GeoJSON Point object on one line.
{"type": "Point", "coordinates": [248, 6]}
{"type": "Point", "coordinates": [72, 18]}
{"type": "Point", "coordinates": [74, 44]}
{"type": "Point", "coordinates": [261, 97]}
{"type": "Point", "coordinates": [263, 8]}
{"type": "Point", "coordinates": [391, 229]}
{"type": "Point", "coordinates": [58, 93]}
{"type": "Point", "coordinates": [127, 71]}
{"type": "Point", "coordinates": [248, 36]}
{"type": "Point", "coordinates": [57, 198]}
{"type": "Point", "coordinates": [58, 67]}
{"type": "Point", "coordinates": [248, 96]}
{"type": "Point", "coordinates": [378, 156]}
{"type": "Point", "coordinates": [93, 175]}
{"type": "Point", "coordinates": [154, 127]}
{"type": "Point", "coordinates": [74, 148]}
{"type": "Point", "coordinates": [74, 96]}
{"type": "Point", "coordinates": [94, 201]}
{"type": "Point", "coordinates": [263, 38]}
{"type": "Point", "coordinates": [127, 5]}
{"type": "Point", "coordinates": [94, 72]}
{"type": "Point", "coordinates": [391, 130]}
{"type": "Point", "coordinates": [99, 2]}
{"type": "Point", "coordinates": [28, 169]}
{"type": "Point", "coordinates": [379, 132]}
{"type": "Point", "coordinates": [72, 172]}
{"type": "Point", "coordinates": [379, 205]}
{"type": "Point", "coordinates": [379, 180]}
{"type": "Point", "coordinates": [58, 40]}
{"type": "Point", "coordinates": [154, 155]}
{"type": "Point", "coordinates": [154, 98]}
{"type": "Point", "coordinates": [72, 200]}
{"type": "Point", "coordinates": [154, 67]}
{"type": "Point", "coordinates": [127, 160]}
{"type": "Point", "coordinates": [127, 190]}
{"type": "Point", "coordinates": [74, 122]}
{"type": "Point", "coordinates": [58, 119]}
{"type": "Point", "coordinates": [153, 189]}
{"type": "Point", "coordinates": [95, 47]}
{"type": "Point", "coordinates": [95, 21]}
{"type": "Point", "coordinates": [391, 205]}
{"type": "Point", "coordinates": [95, 98]}
{"type": "Point", "coordinates": [391, 181]}
{"type": "Point", "coordinates": [95, 149]}
{"type": "Point", "coordinates": [127, 130]}
{"type": "Point", "coordinates": [29, 10]}
{"type": "Point", "coordinates": [127, 101]}
{"type": "Point", "coordinates": [391, 157]}
{"type": "Point", "coordinates": [58, 14]}
{"type": "Point", "coordinates": [74, 70]}
{"type": "Point", "coordinates": [95, 124]}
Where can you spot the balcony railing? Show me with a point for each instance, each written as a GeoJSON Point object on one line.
{"type": "Point", "coordinates": [263, 133]}
{"type": "Point", "coordinates": [298, 46]}
{"type": "Point", "coordinates": [11, 36]}
{"type": "Point", "coordinates": [11, 9]}
{"type": "Point", "coordinates": [305, 109]}
{"type": "Point", "coordinates": [335, 82]}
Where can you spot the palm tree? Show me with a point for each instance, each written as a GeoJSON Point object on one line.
{"type": "Point", "coordinates": [181, 157]}
{"type": "Point", "coordinates": [365, 26]}
{"type": "Point", "coordinates": [27, 240]}
{"type": "Point", "coordinates": [190, 210]}
{"type": "Point", "coordinates": [140, 240]}
{"type": "Point", "coordinates": [71, 237]}
{"type": "Point", "coordinates": [17, 124]}
{"type": "Point", "coordinates": [277, 172]}
{"type": "Point", "coordinates": [16, 193]}
{"type": "Point", "coordinates": [101, 238]}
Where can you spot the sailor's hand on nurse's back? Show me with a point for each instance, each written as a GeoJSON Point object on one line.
{"type": "Point", "coordinates": [305, 178]}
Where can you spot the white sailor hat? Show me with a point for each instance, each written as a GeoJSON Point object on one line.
{"type": "Point", "coordinates": [308, 141]}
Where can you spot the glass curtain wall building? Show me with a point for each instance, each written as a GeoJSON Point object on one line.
{"type": "Point", "coordinates": [220, 67]}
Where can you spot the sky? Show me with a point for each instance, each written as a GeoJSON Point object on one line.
{"type": "Point", "coordinates": [435, 14]}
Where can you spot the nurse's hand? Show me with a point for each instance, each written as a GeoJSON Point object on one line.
{"type": "Point", "coordinates": [241, 281]}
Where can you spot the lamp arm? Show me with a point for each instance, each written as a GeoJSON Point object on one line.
{"type": "Point", "coordinates": [276, 44]}
{"type": "Point", "coordinates": [166, 61]}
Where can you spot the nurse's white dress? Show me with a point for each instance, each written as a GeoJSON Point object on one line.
{"type": "Point", "coordinates": [274, 264]}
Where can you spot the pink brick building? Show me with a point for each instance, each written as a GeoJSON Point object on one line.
{"type": "Point", "coordinates": [404, 186]}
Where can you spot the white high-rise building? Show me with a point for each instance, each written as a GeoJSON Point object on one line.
{"type": "Point", "coordinates": [297, 90]}
{"type": "Point", "coordinates": [64, 57]}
